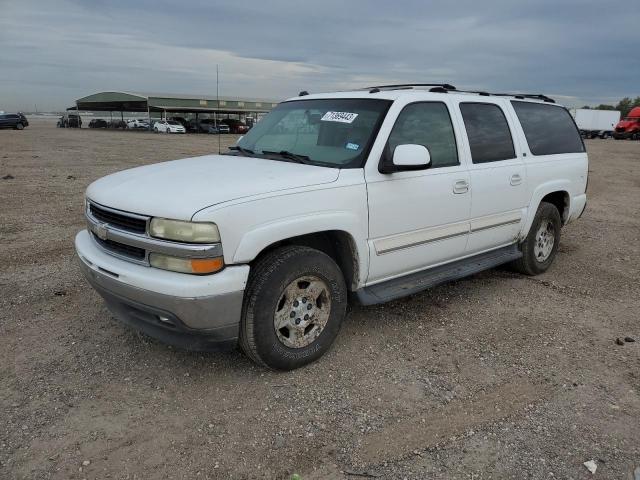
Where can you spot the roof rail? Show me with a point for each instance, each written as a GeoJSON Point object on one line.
{"type": "Point", "coordinates": [534, 96]}
{"type": "Point", "coordinates": [407, 86]}
{"type": "Point", "coordinates": [446, 87]}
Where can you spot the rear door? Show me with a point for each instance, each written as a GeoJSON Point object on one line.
{"type": "Point", "coordinates": [418, 219]}
{"type": "Point", "coordinates": [497, 174]}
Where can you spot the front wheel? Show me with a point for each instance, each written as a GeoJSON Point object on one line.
{"type": "Point", "coordinates": [19, 126]}
{"type": "Point", "coordinates": [295, 302]}
{"type": "Point", "coordinates": [541, 245]}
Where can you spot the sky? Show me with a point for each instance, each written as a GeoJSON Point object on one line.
{"type": "Point", "coordinates": [54, 51]}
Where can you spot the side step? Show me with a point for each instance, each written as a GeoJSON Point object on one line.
{"type": "Point", "coordinates": [416, 282]}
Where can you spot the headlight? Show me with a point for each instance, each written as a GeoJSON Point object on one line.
{"type": "Point", "coordinates": [188, 232]}
{"type": "Point", "coordinates": [198, 266]}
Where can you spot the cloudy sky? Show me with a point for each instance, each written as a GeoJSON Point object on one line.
{"type": "Point", "coordinates": [54, 51]}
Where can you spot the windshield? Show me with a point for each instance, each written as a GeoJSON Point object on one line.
{"type": "Point", "coordinates": [330, 132]}
{"type": "Point", "coordinates": [171, 122]}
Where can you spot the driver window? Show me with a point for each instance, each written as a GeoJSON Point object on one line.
{"type": "Point", "coordinates": [427, 124]}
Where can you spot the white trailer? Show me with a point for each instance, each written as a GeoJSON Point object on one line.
{"type": "Point", "coordinates": [596, 123]}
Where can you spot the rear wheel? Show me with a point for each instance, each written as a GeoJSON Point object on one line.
{"type": "Point", "coordinates": [295, 302]}
{"type": "Point", "coordinates": [541, 245]}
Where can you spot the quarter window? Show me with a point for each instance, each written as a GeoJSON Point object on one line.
{"type": "Point", "coordinates": [488, 132]}
{"type": "Point", "coordinates": [427, 124]}
{"type": "Point", "coordinates": [549, 129]}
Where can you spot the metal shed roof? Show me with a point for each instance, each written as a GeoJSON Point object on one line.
{"type": "Point", "coordinates": [140, 102]}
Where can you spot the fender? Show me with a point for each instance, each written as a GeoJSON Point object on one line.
{"type": "Point", "coordinates": [256, 240]}
{"type": "Point", "coordinates": [561, 185]}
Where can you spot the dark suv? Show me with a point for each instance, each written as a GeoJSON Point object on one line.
{"type": "Point", "coordinates": [17, 121]}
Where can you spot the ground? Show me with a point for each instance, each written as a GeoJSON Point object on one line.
{"type": "Point", "coordinates": [495, 376]}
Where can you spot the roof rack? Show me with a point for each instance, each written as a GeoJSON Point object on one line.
{"type": "Point", "coordinates": [534, 96]}
{"type": "Point", "coordinates": [447, 87]}
{"type": "Point", "coordinates": [408, 86]}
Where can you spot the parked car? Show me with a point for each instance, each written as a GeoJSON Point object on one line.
{"type": "Point", "coordinates": [138, 124]}
{"type": "Point", "coordinates": [629, 127]}
{"type": "Point", "coordinates": [118, 124]}
{"type": "Point", "coordinates": [70, 120]}
{"type": "Point", "coordinates": [208, 125]}
{"type": "Point", "coordinates": [220, 128]}
{"type": "Point", "coordinates": [182, 121]}
{"type": "Point", "coordinates": [168, 126]}
{"type": "Point", "coordinates": [362, 195]}
{"type": "Point", "coordinates": [594, 123]}
{"type": "Point", "coordinates": [17, 121]}
{"type": "Point", "coordinates": [98, 123]}
{"type": "Point", "coordinates": [235, 126]}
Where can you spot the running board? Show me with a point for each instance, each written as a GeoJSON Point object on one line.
{"type": "Point", "coordinates": [416, 282]}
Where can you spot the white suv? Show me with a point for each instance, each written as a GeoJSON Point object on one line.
{"type": "Point", "coordinates": [370, 195]}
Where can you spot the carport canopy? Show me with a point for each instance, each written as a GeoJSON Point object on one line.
{"type": "Point", "coordinates": [139, 102]}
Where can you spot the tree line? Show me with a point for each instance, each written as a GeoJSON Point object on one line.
{"type": "Point", "coordinates": [624, 106]}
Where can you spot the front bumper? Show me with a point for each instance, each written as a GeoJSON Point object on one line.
{"type": "Point", "coordinates": [199, 313]}
{"type": "Point", "coordinates": [622, 135]}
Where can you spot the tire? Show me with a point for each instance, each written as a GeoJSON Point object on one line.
{"type": "Point", "coordinates": [537, 259]}
{"type": "Point", "coordinates": [276, 290]}
{"type": "Point", "coordinates": [155, 130]}
{"type": "Point", "coordinates": [19, 126]}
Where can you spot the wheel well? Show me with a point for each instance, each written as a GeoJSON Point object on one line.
{"type": "Point", "coordinates": [337, 244]}
{"type": "Point", "coordinates": [561, 201]}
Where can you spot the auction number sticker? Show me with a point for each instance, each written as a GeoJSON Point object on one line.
{"type": "Point", "coordinates": [342, 117]}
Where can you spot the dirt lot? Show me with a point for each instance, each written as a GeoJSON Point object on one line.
{"type": "Point", "coordinates": [495, 376]}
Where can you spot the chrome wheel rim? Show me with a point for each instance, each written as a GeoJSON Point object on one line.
{"type": "Point", "coordinates": [302, 311]}
{"type": "Point", "coordinates": [545, 239]}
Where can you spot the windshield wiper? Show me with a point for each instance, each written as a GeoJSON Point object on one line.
{"type": "Point", "coordinates": [242, 150]}
{"type": "Point", "coordinates": [289, 156]}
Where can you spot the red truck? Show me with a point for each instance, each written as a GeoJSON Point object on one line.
{"type": "Point", "coordinates": [629, 126]}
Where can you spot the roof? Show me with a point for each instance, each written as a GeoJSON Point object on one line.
{"type": "Point", "coordinates": [418, 91]}
{"type": "Point", "coordinates": [140, 102]}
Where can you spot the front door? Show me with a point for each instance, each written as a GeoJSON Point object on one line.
{"type": "Point", "coordinates": [419, 219]}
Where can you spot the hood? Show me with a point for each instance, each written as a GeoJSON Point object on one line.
{"type": "Point", "coordinates": [180, 188]}
{"type": "Point", "coordinates": [628, 123]}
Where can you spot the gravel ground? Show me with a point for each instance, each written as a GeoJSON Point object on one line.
{"type": "Point", "coordinates": [494, 376]}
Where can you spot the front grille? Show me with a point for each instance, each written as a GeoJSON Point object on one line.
{"type": "Point", "coordinates": [121, 249]}
{"type": "Point", "coordinates": [118, 220]}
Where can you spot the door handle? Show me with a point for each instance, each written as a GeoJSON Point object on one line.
{"type": "Point", "coordinates": [516, 179]}
{"type": "Point", "coordinates": [461, 186]}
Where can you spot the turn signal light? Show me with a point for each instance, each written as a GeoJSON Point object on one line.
{"type": "Point", "coordinates": [197, 266]}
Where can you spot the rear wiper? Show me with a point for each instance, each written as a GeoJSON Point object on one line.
{"type": "Point", "coordinates": [289, 156]}
{"type": "Point", "coordinates": [242, 150]}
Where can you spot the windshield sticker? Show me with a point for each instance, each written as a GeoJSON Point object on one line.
{"type": "Point", "coordinates": [352, 146]}
{"type": "Point", "coordinates": [342, 117]}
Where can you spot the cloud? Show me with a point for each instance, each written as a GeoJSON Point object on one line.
{"type": "Point", "coordinates": [56, 51]}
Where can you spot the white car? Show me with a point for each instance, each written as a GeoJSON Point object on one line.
{"type": "Point", "coordinates": [138, 124]}
{"type": "Point", "coordinates": [369, 195]}
{"type": "Point", "coordinates": [168, 126]}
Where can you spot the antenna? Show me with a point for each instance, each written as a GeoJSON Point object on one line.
{"type": "Point", "coordinates": [215, 115]}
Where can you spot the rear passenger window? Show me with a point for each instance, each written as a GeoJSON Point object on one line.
{"type": "Point", "coordinates": [427, 124]}
{"type": "Point", "coordinates": [549, 129]}
{"type": "Point", "coordinates": [488, 132]}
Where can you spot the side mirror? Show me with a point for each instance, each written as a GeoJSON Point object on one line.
{"type": "Point", "coordinates": [408, 157]}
